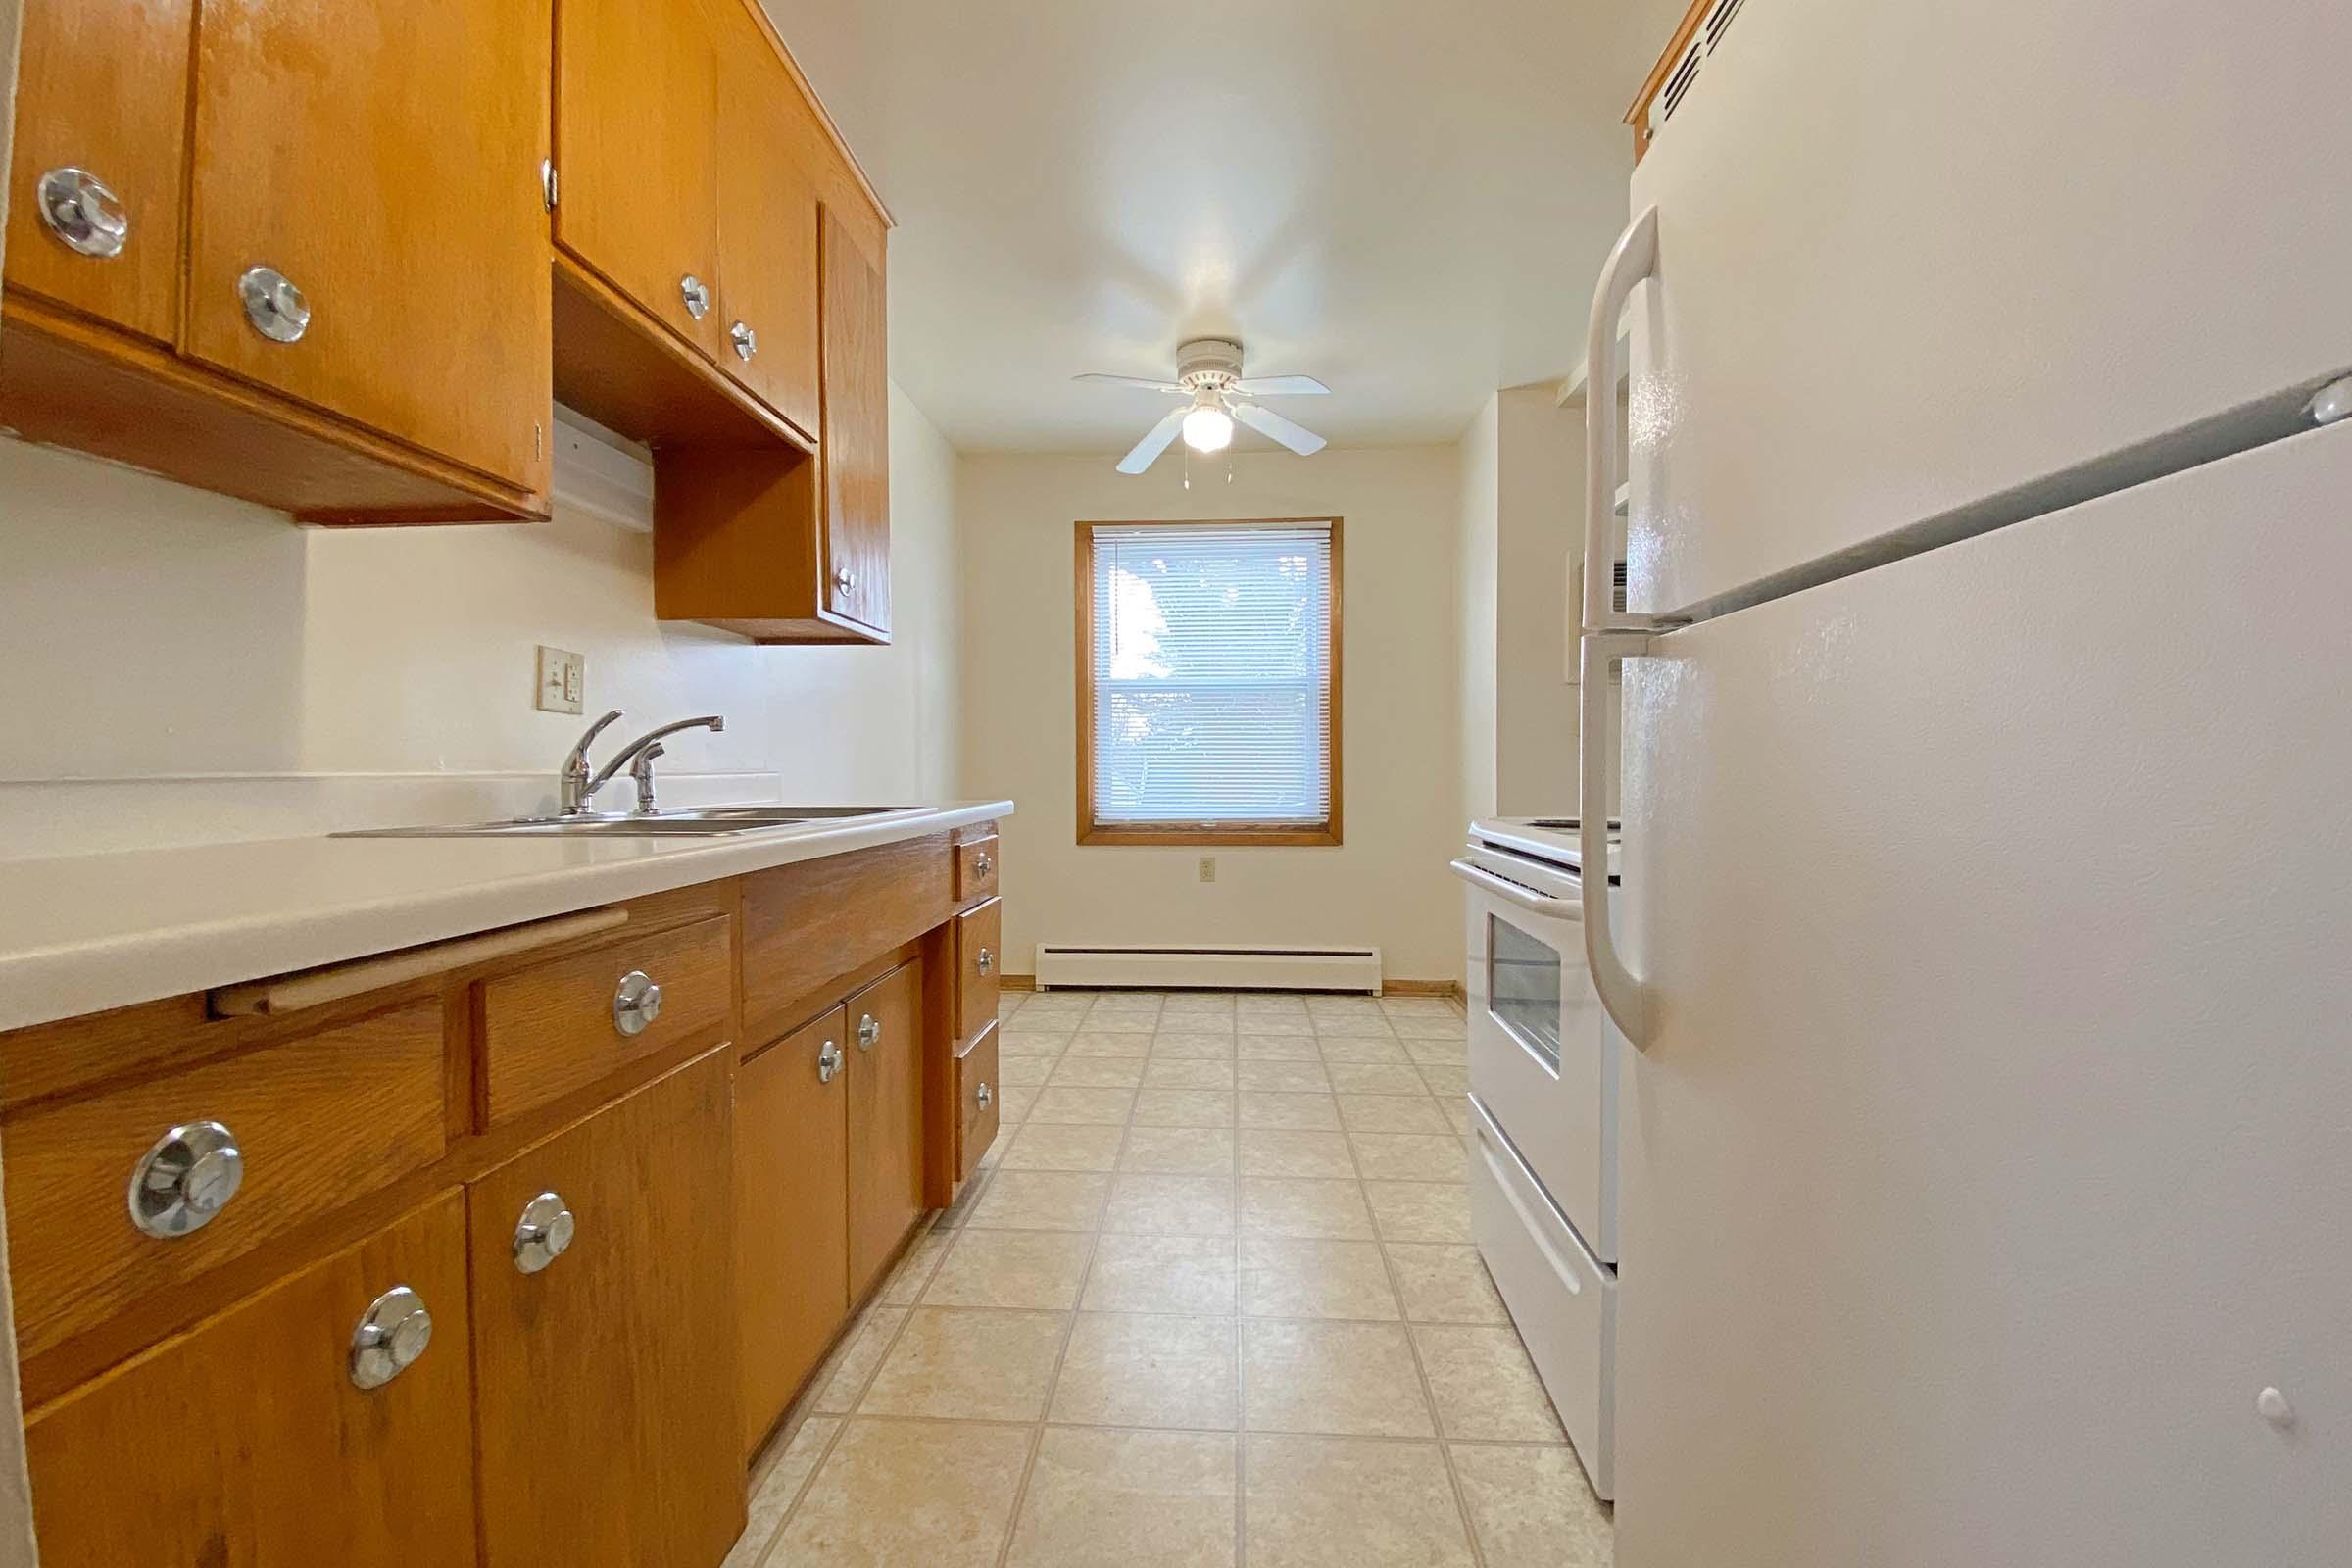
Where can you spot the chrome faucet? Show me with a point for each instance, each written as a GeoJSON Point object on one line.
{"type": "Point", "coordinates": [575, 786]}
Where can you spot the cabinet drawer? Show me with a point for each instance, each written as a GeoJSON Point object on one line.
{"type": "Point", "coordinates": [976, 1092]}
{"type": "Point", "coordinates": [248, 1442]}
{"type": "Point", "coordinates": [305, 1126]}
{"type": "Point", "coordinates": [979, 933]}
{"type": "Point", "coordinates": [976, 866]}
{"type": "Point", "coordinates": [560, 1025]}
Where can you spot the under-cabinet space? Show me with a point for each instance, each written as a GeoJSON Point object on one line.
{"type": "Point", "coordinates": [605, 1337]}
{"type": "Point", "coordinates": [326, 1419]}
{"type": "Point", "coordinates": [792, 1196]}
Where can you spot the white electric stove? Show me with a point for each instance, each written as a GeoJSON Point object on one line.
{"type": "Point", "coordinates": [1545, 1063]}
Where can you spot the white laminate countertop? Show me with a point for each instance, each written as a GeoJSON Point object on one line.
{"type": "Point", "coordinates": [84, 932]}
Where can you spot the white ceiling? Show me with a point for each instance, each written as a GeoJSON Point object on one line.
{"type": "Point", "coordinates": [1408, 201]}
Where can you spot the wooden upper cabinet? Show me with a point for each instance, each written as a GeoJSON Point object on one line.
{"type": "Point", "coordinates": [766, 229]}
{"type": "Point", "coordinates": [102, 89]}
{"type": "Point", "coordinates": [886, 1120]}
{"type": "Point", "coordinates": [791, 1212]}
{"type": "Point", "coordinates": [855, 444]}
{"type": "Point", "coordinates": [386, 162]}
{"type": "Point", "coordinates": [249, 1440]}
{"type": "Point", "coordinates": [637, 154]}
{"type": "Point", "coordinates": [607, 1371]}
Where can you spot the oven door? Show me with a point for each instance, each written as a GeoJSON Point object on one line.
{"type": "Point", "coordinates": [1540, 1054]}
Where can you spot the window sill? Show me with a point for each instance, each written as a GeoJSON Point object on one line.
{"type": "Point", "coordinates": [1209, 835]}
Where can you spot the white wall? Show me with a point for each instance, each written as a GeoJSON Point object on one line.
{"type": "Point", "coordinates": [1540, 535]}
{"type": "Point", "coordinates": [1476, 590]}
{"type": "Point", "coordinates": [147, 629]}
{"type": "Point", "coordinates": [1387, 883]}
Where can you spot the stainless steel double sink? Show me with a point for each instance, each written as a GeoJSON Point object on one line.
{"type": "Point", "coordinates": [704, 821]}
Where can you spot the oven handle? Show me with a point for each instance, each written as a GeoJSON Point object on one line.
{"type": "Point", "coordinates": [1511, 892]}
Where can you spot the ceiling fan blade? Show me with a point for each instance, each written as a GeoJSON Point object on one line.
{"type": "Point", "coordinates": [1265, 422]}
{"type": "Point", "coordinates": [1129, 380]}
{"type": "Point", "coordinates": [1278, 386]}
{"type": "Point", "coordinates": [1146, 451]}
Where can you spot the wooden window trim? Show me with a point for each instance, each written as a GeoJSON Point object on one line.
{"type": "Point", "coordinates": [1209, 835]}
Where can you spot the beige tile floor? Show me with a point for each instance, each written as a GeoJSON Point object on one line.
{"type": "Point", "coordinates": [1211, 1300]}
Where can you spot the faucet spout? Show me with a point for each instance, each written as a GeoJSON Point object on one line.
{"type": "Point", "coordinates": [629, 753]}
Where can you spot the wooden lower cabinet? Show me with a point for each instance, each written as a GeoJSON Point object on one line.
{"type": "Point", "coordinates": [886, 1120]}
{"type": "Point", "coordinates": [792, 1213]}
{"type": "Point", "coordinates": [246, 1441]}
{"type": "Point", "coordinates": [607, 1379]}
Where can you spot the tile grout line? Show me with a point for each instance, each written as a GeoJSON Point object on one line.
{"type": "Point", "coordinates": [1436, 1417]}
{"type": "Point", "coordinates": [1061, 1351]}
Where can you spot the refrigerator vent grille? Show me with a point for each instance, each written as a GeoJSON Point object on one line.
{"type": "Point", "coordinates": [1712, 28]}
{"type": "Point", "coordinates": [1617, 588]}
{"type": "Point", "coordinates": [1719, 20]}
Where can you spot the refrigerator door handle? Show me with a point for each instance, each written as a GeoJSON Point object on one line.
{"type": "Point", "coordinates": [1608, 632]}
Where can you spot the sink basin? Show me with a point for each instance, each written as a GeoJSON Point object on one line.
{"type": "Point", "coordinates": [704, 821]}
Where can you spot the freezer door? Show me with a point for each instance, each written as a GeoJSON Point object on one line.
{"type": "Point", "coordinates": [1911, 256]}
{"type": "Point", "coordinates": [1992, 1153]}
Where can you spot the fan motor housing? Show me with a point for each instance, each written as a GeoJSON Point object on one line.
{"type": "Point", "coordinates": [1209, 362]}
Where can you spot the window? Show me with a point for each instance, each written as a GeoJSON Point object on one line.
{"type": "Point", "coordinates": [1208, 682]}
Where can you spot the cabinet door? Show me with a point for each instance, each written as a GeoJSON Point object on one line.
{"type": "Point", "coordinates": [247, 1440]}
{"type": "Point", "coordinates": [384, 160]}
{"type": "Point", "coordinates": [792, 1215]}
{"type": "Point", "coordinates": [854, 444]}
{"type": "Point", "coordinates": [637, 152]}
{"type": "Point", "coordinates": [102, 86]}
{"type": "Point", "coordinates": [766, 229]}
{"type": "Point", "coordinates": [606, 1372]}
{"type": "Point", "coordinates": [886, 1120]}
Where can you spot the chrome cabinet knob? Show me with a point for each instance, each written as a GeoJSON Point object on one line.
{"type": "Point", "coordinates": [869, 1032]}
{"type": "Point", "coordinates": [390, 1338]}
{"type": "Point", "coordinates": [276, 309]}
{"type": "Point", "coordinates": [636, 1004]}
{"type": "Point", "coordinates": [543, 1234]}
{"type": "Point", "coordinates": [986, 962]}
{"type": "Point", "coordinates": [845, 579]}
{"type": "Point", "coordinates": [746, 341]}
{"type": "Point", "coordinates": [697, 295]}
{"type": "Point", "coordinates": [828, 1061]}
{"type": "Point", "coordinates": [188, 1176]}
{"type": "Point", "coordinates": [83, 210]}
{"type": "Point", "coordinates": [985, 1096]}
{"type": "Point", "coordinates": [982, 865]}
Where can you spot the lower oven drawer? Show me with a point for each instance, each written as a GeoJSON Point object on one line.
{"type": "Point", "coordinates": [1563, 1300]}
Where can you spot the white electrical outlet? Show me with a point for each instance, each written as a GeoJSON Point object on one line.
{"type": "Point", "coordinates": [1208, 869]}
{"type": "Point", "coordinates": [562, 681]}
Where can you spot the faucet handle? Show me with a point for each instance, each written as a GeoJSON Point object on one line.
{"type": "Point", "coordinates": [642, 770]}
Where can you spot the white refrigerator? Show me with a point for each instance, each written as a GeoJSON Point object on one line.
{"type": "Point", "coordinates": [1986, 927]}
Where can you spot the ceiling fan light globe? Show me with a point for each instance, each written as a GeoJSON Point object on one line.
{"type": "Point", "coordinates": [1207, 429]}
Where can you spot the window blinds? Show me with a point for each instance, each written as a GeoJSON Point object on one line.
{"type": "Point", "coordinates": [1211, 673]}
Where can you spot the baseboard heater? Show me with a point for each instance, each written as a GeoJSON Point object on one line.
{"type": "Point", "coordinates": [1210, 964]}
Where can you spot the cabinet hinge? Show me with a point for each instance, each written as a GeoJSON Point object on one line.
{"type": "Point", "coordinates": [547, 182]}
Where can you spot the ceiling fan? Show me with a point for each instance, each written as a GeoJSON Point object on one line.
{"type": "Point", "coordinates": [1208, 376]}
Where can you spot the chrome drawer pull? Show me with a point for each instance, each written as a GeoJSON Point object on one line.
{"type": "Point", "coordinates": [184, 1181]}
{"type": "Point", "coordinates": [636, 1004]}
{"type": "Point", "coordinates": [390, 1338]}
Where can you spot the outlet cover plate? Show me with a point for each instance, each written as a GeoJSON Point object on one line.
{"type": "Point", "coordinates": [562, 681]}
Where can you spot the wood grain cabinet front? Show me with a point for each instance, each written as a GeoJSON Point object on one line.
{"type": "Point", "coordinates": [886, 1120]}
{"type": "Point", "coordinates": [95, 198]}
{"type": "Point", "coordinates": [561, 1025]}
{"type": "Point", "coordinates": [766, 229]}
{"type": "Point", "coordinates": [976, 1090]}
{"type": "Point", "coordinates": [116, 1197]}
{"type": "Point", "coordinates": [855, 445]}
{"type": "Point", "coordinates": [978, 862]}
{"type": "Point", "coordinates": [605, 1334]}
{"type": "Point", "coordinates": [327, 1419]}
{"type": "Point", "coordinates": [792, 1133]}
{"type": "Point", "coordinates": [979, 939]}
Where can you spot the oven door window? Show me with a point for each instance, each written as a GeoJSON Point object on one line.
{"type": "Point", "coordinates": [1522, 989]}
